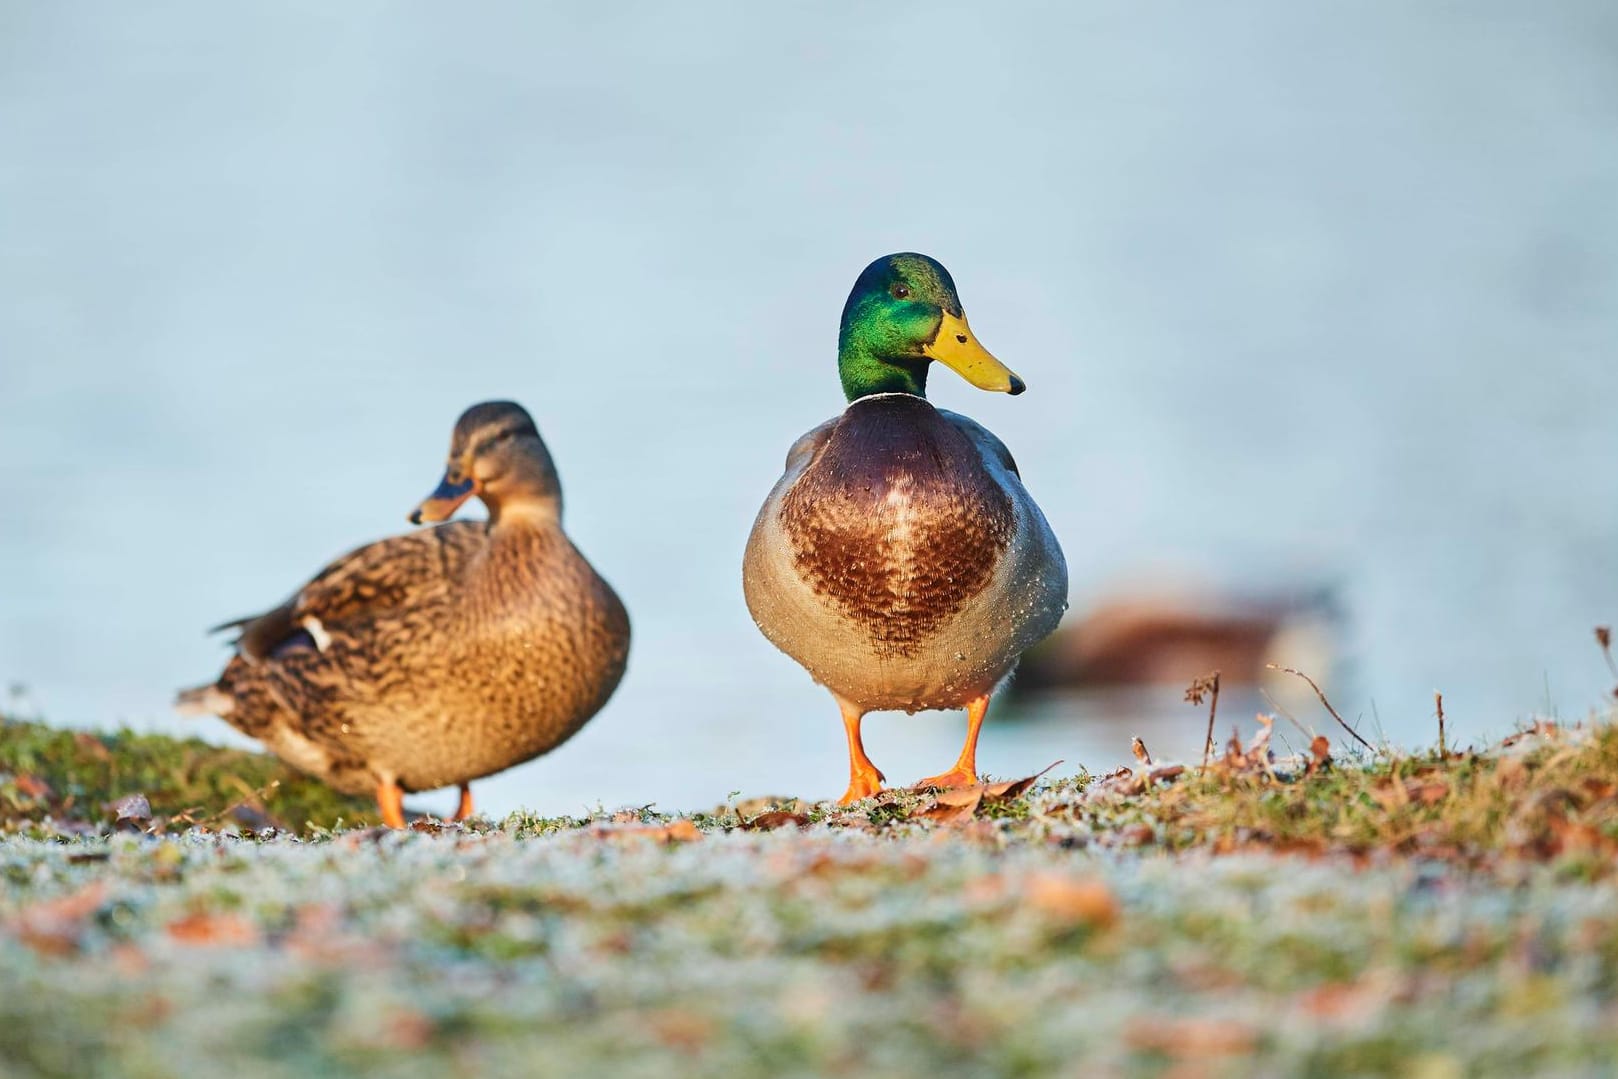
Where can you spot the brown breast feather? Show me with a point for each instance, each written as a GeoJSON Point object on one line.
{"type": "Point", "coordinates": [896, 521]}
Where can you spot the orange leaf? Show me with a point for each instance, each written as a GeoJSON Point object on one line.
{"type": "Point", "coordinates": [1319, 753]}
{"type": "Point", "coordinates": [1427, 793]}
{"type": "Point", "coordinates": [953, 806]}
{"type": "Point", "coordinates": [55, 925]}
{"type": "Point", "coordinates": [222, 930]}
{"type": "Point", "coordinates": [1072, 900]}
{"type": "Point", "coordinates": [680, 831]}
{"type": "Point", "coordinates": [679, 1028]}
{"type": "Point", "coordinates": [1191, 1037]}
{"type": "Point", "coordinates": [32, 786]}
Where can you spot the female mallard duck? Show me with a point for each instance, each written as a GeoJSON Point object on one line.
{"type": "Point", "coordinates": [899, 558]}
{"type": "Point", "coordinates": [439, 656]}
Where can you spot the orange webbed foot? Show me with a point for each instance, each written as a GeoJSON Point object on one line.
{"type": "Point", "coordinates": [862, 784]}
{"type": "Point", "coordinates": [965, 772]}
{"type": "Point", "coordinates": [955, 777]}
{"type": "Point", "coordinates": [864, 779]}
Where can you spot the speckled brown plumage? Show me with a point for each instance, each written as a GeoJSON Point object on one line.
{"type": "Point", "coordinates": [438, 656]}
{"type": "Point", "coordinates": [896, 521]}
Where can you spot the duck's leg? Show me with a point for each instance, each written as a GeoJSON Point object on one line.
{"type": "Point", "coordinates": [464, 810]}
{"type": "Point", "coordinates": [390, 799]}
{"type": "Point", "coordinates": [864, 779]}
{"type": "Point", "coordinates": [965, 772]}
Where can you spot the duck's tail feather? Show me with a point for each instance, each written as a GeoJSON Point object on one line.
{"type": "Point", "coordinates": [235, 623]}
{"type": "Point", "coordinates": [204, 701]}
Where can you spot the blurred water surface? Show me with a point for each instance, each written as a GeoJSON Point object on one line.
{"type": "Point", "coordinates": [1300, 295]}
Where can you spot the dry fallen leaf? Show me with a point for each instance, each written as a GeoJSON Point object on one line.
{"type": "Point", "coordinates": [680, 1028]}
{"type": "Point", "coordinates": [960, 804]}
{"type": "Point", "coordinates": [133, 807]}
{"type": "Point", "coordinates": [1014, 788]}
{"type": "Point", "coordinates": [1137, 835]}
{"type": "Point", "coordinates": [953, 806]}
{"type": "Point", "coordinates": [54, 926]}
{"type": "Point", "coordinates": [408, 1029]}
{"type": "Point", "coordinates": [92, 745]}
{"type": "Point", "coordinates": [1429, 793]}
{"type": "Point", "coordinates": [776, 818]}
{"type": "Point", "coordinates": [1319, 753]}
{"type": "Point", "coordinates": [1071, 900]}
{"type": "Point", "coordinates": [1191, 1037]}
{"type": "Point", "coordinates": [1599, 788]}
{"type": "Point", "coordinates": [433, 826]}
{"type": "Point", "coordinates": [31, 786]}
{"type": "Point", "coordinates": [680, 831]}
{"type": "Point", "coordinates": [1130, 781]}
{"type": "Point", "coordinates": [1572, 837]}
{"type": "Point", "coordinates": [1346, 1001]}
{"type": "Point", "coordinates": [219, 930]}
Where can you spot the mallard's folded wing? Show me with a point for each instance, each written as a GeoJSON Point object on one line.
{"type": "Point", "coordinates": [986, 440]}
{"type": "Point", "coordinates": [808, 444]}
{"type": "Point", "coordinates": [363, 584]}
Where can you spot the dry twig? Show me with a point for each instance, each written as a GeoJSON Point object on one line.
{"type": "Point", "coordinates": [1340, 720]}
{"type": "Point", "coordinates": [1206, 685]}
{"type": "Point", "coordinates": [1604, 639]}
{"type": "Point", "coordinates": [1443, 750]}
{"type": "Point", "coordinates": [190, 818]}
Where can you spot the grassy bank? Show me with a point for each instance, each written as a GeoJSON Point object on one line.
{"type": "Point", "coordinates": [79, 780]}
{"type": "Point", "coordinates": [1417, 916]}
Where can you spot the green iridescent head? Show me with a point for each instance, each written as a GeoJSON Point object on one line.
{"type": "Point", "coordinates": [902, 315]}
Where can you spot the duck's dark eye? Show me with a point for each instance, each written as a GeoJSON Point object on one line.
{"type": "Point", "coordinates": [900, 292]}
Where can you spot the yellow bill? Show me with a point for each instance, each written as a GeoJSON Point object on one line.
{"type": "Point", "coordinates": [957, 348]}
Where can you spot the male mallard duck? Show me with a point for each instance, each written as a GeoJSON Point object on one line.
{"type": "Point", "coordinates": [439, 656]}
{"type": "Point", "coordinates": [899, 558]}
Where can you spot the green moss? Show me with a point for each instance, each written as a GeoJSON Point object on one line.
{"type": "Point", "coordinates": [74, 777]}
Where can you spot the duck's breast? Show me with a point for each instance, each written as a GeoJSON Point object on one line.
{"type": "Point", "coordinates": [876, 556]}
{"type": "Point", "coordinates": [897, 524]}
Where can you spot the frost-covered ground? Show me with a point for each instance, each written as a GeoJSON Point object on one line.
{"type": "Point", "coordinates": [1118, 926]}
{"type": "Point", "coordinates": [780, 953]}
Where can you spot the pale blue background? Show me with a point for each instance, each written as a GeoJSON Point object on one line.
{"type": "Point", "coordinates": [1302, 293]}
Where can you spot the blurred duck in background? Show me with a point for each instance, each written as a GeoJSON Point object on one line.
{"type": "Point", "coordinates": [440, 656]}
{"type": "Point", "coordinates": [1169, 636]}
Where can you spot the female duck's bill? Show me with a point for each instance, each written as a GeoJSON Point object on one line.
{"type": "Point", "coordinates": [446, 498]}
